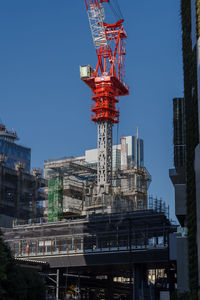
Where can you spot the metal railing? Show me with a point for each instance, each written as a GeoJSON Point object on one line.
{"type": "Point", "coordinates": [82, 245]}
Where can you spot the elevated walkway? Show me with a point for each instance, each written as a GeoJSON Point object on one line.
{"type": "Point", "coordinates": [99, 239]}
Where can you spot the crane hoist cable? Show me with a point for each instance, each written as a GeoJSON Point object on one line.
{"type": "Point", "coordinates": [117, 15]}
{"type": "Point", "coordinates": [118, 7]}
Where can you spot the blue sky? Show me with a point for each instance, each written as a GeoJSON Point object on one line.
{"type": "Point", "coordinates": [42, 44]}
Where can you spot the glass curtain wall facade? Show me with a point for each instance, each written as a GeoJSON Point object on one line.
{"type": "Point", "coordinates": [14, 154]}
{"type": "Point", "coordinates": [135, 151]}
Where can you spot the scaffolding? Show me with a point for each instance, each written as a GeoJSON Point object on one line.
{"type": "Point", "coordinates": [79, 192]}
{"type": "Point", "coordinates": [55, 199]}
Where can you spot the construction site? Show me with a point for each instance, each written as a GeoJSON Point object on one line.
{"type": "Point", "coordinates": [101, 234]}
{"type": "Point", "coordinates": [73, 187]}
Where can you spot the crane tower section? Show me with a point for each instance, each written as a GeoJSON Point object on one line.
{"type": "Point", "coordinates": [106, 82]}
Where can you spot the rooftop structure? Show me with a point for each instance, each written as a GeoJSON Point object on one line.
{"type": "Point", "coordinates": [11, 153]}
{"type": "Point", "coordinates": [10, 136]}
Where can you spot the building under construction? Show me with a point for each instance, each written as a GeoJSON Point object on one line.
{"type": "Point", "coordinates": [108, 246]}
{"type": "Point", "coordinates": [101, 235]}
{"type": "Point", "coordinates": [72, 183]}
{"type": "Point", "coordinates": [21, 192]}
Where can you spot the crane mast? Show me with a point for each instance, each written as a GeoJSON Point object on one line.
{"type": "Point", "coordinates": [107, 84]}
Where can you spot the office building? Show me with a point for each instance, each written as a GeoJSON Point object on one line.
{"type": "Point", "coordinates": [11, 152]}
{"type": "Point", "coordinates": [186, 175]}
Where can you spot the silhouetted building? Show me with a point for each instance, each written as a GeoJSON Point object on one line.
{"type": "Point", "coordinates": [21, 192]}
{"type": "Point", "coordinates": [186, 175]}
{"type": "Point", "coordinates": [178, 178]}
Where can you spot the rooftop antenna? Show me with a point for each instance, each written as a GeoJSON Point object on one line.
{"type": "Point", "coordinates": [137, 132]}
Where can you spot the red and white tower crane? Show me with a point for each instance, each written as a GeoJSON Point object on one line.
{"type": "Point", "coordinates": [106, 83]}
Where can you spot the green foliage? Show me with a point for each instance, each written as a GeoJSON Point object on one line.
{"type": "Point", "coordinates": [198, 17]}
{"type": "Point", "coordinates": [17, 283]}
{"type": "Point", "coordinates": [6, 263]}
{"type": "Point", "coordinates": [26, 285]}
{"type": "Point", "coordinates": [184, 296]}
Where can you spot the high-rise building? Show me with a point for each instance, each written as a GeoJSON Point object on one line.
{"type": "Point", "coordinates": [135, 152]}
{"type": "Point", "coordinates": [186, 175]}
{"type": "Point", "coordinates": [178, 178]}
{"type": "Point", "coordinates": [129, 153]}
